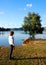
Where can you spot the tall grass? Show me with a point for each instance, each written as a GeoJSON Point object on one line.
{"type": "Point", "coordinates": [28, 54]}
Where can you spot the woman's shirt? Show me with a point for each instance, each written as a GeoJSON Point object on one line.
{"type": "Point", "coordinates": [11, 40]}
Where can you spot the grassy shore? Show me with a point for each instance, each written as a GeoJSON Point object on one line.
{"type": "Point", "coordinates": [32, 53]}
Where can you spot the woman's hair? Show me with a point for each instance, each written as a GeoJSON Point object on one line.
{"type": "Point", "coordinates": [11, 33]}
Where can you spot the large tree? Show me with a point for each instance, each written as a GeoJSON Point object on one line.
{"type": "Point", "coordinates": [32, 24]}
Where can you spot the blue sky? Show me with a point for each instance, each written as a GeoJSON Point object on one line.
{"type": "Point", "coordinates": [12, 12]}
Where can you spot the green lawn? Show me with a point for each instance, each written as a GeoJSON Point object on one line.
{"type": "Point", "coordinates": [33, 53]}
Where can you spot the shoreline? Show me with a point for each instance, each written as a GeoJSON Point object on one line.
{"type": "Point", "coordinates": [26, 41]}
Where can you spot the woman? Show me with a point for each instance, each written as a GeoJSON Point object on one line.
{"type": "Point", "coordinates": [11, 43]}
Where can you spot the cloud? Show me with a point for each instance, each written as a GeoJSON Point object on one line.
{"type": "Point", "coordinates": [29, 5]}
{"type": "Point", "coordinates": [1, 12]}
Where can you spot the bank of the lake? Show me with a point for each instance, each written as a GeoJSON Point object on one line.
{"type": "Point", "coordinates": [32, 53]}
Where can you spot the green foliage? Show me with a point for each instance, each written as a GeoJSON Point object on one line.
{"type": "Point", "coordinates": [32, 24]}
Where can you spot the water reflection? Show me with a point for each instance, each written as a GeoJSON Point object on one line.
{"type": "Point", "coordinates": [2, 32]}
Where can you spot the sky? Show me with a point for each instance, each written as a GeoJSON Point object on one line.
{"type": "Point", "coordinates": [12, 12]}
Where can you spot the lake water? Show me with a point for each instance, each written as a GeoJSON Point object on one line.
{"type": "Point", "coordinates": [19, 36]}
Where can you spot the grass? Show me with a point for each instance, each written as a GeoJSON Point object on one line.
{"type": "Point", "coordinates": [32, 53]}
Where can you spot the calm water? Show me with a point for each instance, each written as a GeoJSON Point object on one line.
{"type": "Point", "coordinates": [19, 36]}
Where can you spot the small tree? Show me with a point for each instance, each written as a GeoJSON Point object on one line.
{"type": "Point", "coordinates": [32, 24]}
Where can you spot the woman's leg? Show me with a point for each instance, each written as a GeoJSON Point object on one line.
{"type": "Point", "coordinates": [11, 50]}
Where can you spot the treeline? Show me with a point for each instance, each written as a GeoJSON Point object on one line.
{"type": "Point", "coordinates": [8, 29]}
{"type": "Point", "coordinates": [4, 29]}
{"type": "Point", "coordinates": [18, 28]}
